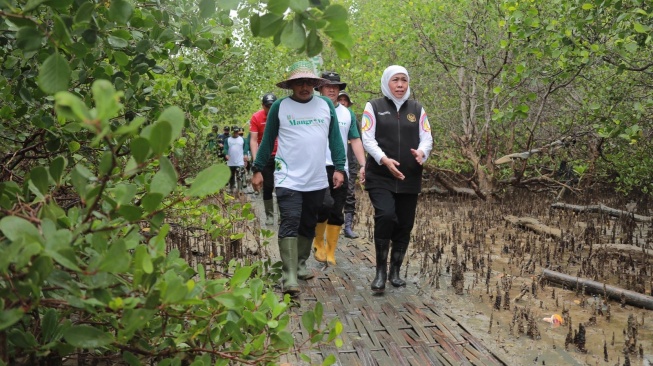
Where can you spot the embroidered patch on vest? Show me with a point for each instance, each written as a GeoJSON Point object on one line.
{"type": "Point", "coordinates": [411, 117]}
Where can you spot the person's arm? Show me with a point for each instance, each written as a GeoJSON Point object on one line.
{"type": "Point", "coordinates": [245, 146]}
{"type": "Point", "coordinates": [253, 137]}
{"type": "Point", "coordinates": [269, 136]}
{"type": "Point", "coordinates": [225, 149]}
{"type": "Point", "coordinates": [368, 129]}
{"type": "Point", "coordinates": [338, 153]}
{"type": "Point", "coordinates": [425, 138]}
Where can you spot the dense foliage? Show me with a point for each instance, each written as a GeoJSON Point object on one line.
{"type": "Point", "coordinates": [500, 78]}
{"type": "Point", "coordinates": [104, 106]}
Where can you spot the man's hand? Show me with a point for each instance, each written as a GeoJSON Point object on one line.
{"type": "Point", "coordinates": [361, 174]}
{"type": "Point", "coordinates": [338, 179]}
{"type": "Point", "coordinates": [257, 181]}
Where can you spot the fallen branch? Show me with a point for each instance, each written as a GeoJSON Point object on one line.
{"type": "Point", "coordinates": [527, 154]}
{"type": "Point", "coordinates": [534, 225]}
{"type": "Point", "coordinates": [598, 288]}
{"type": "Point", "coordinates": [624, 248]}
{"type": "Point", "coordinates": [454, 191]}
{"type": "Point", "coordinates": [602, 209]}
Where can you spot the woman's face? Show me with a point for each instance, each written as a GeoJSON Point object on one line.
{"type": "Point", "coordinates": [398, 85]}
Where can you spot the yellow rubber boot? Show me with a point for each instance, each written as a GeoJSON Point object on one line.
{"type": "Point", "coordinates": [318, 242]}
{"type": "Point", "coordinates": [332, 234]}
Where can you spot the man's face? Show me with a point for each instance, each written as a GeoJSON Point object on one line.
{"type": "Point", "coordinates": [344, 101]}
{"type": "Point", "coordinates": [330, 91]}
{"type": "Point", "coordinates": [302, 89]}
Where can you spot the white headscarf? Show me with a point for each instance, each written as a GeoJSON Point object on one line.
{"type": "Point", "coordinates": [385, 79]}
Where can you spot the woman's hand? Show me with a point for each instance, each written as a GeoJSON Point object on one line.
{"type": "Point", "coordinates": [392, 165]}
{"type": "Point", "coordinates": [419, 155]}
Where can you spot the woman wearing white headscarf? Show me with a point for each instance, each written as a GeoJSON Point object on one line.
{"type": "Point", "coordinates": [397, 137]}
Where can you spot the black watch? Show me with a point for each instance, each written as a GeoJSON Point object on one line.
{"type": "Point", "coordinates": [255, 169]}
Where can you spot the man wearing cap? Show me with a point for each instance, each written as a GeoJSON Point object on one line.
{"type": "Point", "coordinates": [304, 126]}
{"type": "Point", "coordinates": [211, 140]}
{"type": "Point", "coordinates": [350, 202]}
{"type": "Point", "coordinates": [330, 218]}
{"type": "Point", "coordinates": [235, 152]}
{"type": "Point", "coordinates": [256, 129]}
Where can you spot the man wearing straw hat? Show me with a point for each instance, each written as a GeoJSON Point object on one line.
{"type": "Point", "coordinates": [304, 126]}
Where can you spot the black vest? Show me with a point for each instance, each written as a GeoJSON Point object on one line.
{"type": "Point", "coordinates": [396, 134]}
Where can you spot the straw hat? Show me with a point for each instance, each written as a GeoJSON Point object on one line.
{"type": "Point", "coordinates": [301, 70]}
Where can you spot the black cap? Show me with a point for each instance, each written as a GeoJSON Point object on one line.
{"type": "Point", "coordinates": [333, 78]}
{"type": "Point", "coordinates": [268, 99]}
{"type": "Point", "coordinates": [215, 127]}
{"type": "Point", "coordinates": [235, 128]}
{"type": "Point", "coordinates": [226, 129]}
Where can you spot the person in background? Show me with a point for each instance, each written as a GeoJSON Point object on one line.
{"type": "Point", "coordinates": [305, 126]}
{"type": "Point", "coordinates": [354, 167]}
{"type": "Point", "coordinates": [397, 138]}
{"type": "Point", "coordinates": [220, 140]}
{"type": "Point", "coordinates": [211, 141]}
{"type": "Point", "coordinates": [330, 217]}
{"type": "Point", "coordinates": [235, 152]}
{"type": "Point", "coordinates": [248, 157]}
{"type": "Point", "coordinates": [256, 129]}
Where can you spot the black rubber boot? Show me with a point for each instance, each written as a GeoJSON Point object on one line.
{"type": "Point", "coordinates": [381, 246]}
{"type": "Point", "coordinates": [396, 259]}
{"type": "Point", "coordinates": [349, 224]}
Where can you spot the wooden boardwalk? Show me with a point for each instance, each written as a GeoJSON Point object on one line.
{"type": "Point", "coordinates": [396, 328]}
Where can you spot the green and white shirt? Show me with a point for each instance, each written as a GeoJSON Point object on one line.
{"type": "Point", "coordinates": [348, 131]}
{"type": "Point", "coordinates": [304, 131]}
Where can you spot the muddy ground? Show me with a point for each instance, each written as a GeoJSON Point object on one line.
{"type": "Point", "coordinates": [487, 274]}
{"type": "Point", "coordinates": [499, 294]}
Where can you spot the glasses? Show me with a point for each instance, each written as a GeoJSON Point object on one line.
{"type": "Point", "coordinates": [302, 82]}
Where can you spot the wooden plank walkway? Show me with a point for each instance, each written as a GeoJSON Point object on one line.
{"type": "Point", "coordinates": [394, 329]}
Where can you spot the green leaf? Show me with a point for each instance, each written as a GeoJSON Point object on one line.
{"type": "Point", "coordinates": [165, 180]}
{"type": "Point", "coordinates": [588, 6]}
{"type": "Point", "coordinates": [22, 339]}
{"type": "Point", "coordinates": [308, 321]}
{"type": "Point", "coordinates": [117, 42]}
{"type": "Point", "coordinates": [240, 276]}
{"type": "Point", "coordinates": [269, 25]}
{"type": "Point", "coordinates": [120, 11]}
{"type": "Point", "coordinates": [299, 5]}
{"type": "Point", "coordinates": [86, 336]}
{"type": "Point", "coordinates": [56, 169]}
{"type": "Point", "coordinates": [69, 106]}
{"type": "Point", "coordinates": [341, 50]}
{"type": "Point", "coordinates": [85, 12]}
{"type": "Point", "coordinates": [29, 39]}
{"type": "Point", "coordinates": [39, 177]}
{"type": "Point", "coordinates": [228, 4]}
{"type": "Point", "coordinates": [293, 34]}
{"type": "Point", "coordinates": [175, 116]}
{"type": "Point", "coordinates": [640, 28]}
{"type": "Point", "coordinates": [335, 12]}
{"type": "Point", "coordinates": [140, 149]}
{"type": "Point", "coordinates": [278, 7]}
{"type": "Point", "coordinates": [151, 201]}
{"type": "Point", "coordinates": [107, 103]}
{"type": "Point", "coordinates": [209, 181]}
{"type": "Point", "coordinates": [207, 8]}
{"type": "Point", "coordinates": [203, 44]}
{"type": "Point", "coordinates": [54, 74]}
{"type": "Point", "coordinates": [313, 44]}
{"type": "Point", "coordinates": [15, 228]}
{"type": "Point", "coordinates": [160, 137]}
{"type": "Point", "coordinates": [142, 259]}
{"type": "Point", "coordinates": [130, 213]}
{"type": "Point", "coordinates": [10, 317]}
{"type": "Point", "coordinates": [117, 259]}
